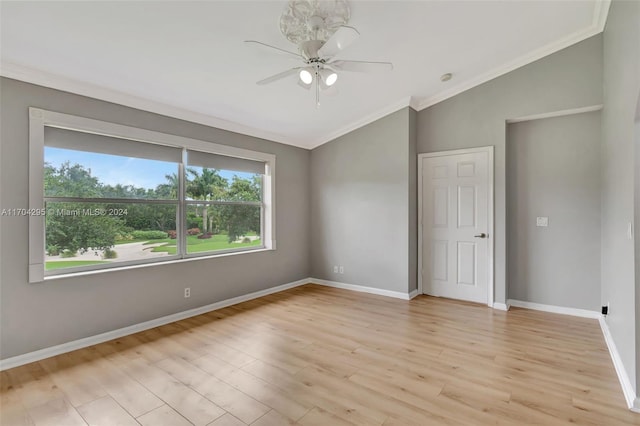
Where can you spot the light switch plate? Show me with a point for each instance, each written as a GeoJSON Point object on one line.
{"type": "Point", "coordinates": [542, 221]}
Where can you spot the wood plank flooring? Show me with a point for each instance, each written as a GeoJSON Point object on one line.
{"type": "Point", "coordinates": [321, 356]}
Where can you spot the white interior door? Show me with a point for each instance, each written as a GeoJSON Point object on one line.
{"type": "Point", "coordinates": [456, 211]}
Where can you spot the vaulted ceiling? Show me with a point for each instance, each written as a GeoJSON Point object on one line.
{"type": "Point", "coordinates": [188, 59]}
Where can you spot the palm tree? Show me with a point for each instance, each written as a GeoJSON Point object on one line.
{"type": "Point", "coordinates": [170, 188]}
{"type": "Point", "coordinates": [206, 186]}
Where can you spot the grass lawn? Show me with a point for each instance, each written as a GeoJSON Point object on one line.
{"type": "Point", "coordinates": [194, 245]}
{"type": "Point", "coordinates": [71, 264]}
{"type": "Point", "coordinates": [173, 242]}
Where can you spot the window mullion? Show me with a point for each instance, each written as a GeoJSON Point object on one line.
{"type": "Point", "coordinates": [225, 203]}
{"type": "Point", "coordinates": [181, 223]}
{"type": "Point", "coordinates": [108, 200]}
{"type": "Point", "coordinates": [262, 215]}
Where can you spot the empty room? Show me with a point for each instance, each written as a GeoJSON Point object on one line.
{"type": "Point", "coordinates": [320, 212]}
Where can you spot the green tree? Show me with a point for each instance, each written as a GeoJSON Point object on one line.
{"type": "Point", "coordinates": [80, 232]}
{"type": "Point", "coordinates": [238, 219]}
{"type": "Point", "coordinates": [70, 181]}
{"type": "Point", "coordinates": [127, 191]}
{"type": "Point", "coordinates": [168, 190]}
{"type": "Point", "coordinates": [70, 225]}
{"type": "Point", "coordinates": [148, 217]}
{"type": "Point", "coordinates": [207, 185]}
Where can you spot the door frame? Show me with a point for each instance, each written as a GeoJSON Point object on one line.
{"type": "Point", "coordinates": [490, 190]}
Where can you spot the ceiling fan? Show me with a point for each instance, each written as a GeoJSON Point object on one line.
{"type": "Point", "coordinates": [318, 28]}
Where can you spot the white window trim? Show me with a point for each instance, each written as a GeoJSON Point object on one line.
{"type": "Point", "coordinates": [39, 118]}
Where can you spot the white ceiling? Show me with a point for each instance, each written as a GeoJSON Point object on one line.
{"type": "Point", "coordinates": [188, 59]}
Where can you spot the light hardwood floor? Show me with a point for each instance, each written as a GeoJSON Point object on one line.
{"type": "Point", "coordinates": [321, 356]}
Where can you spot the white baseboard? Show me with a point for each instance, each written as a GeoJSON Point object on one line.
{"type": "Point", "coordinates": [34, 356]}
{"type": "Point", "coordinates": [633, 402]}
{"type": "Point", "coordinates": [501, 306]}
{"type": "Point", "coordinates": [19, 360]}
{"type": "Point", "coordinates": [629, 395]}
{"type": "Point", "coordinates": [584, 313]}
{"type": "Point", "coordinates": [16, 361]}
{"type": "Point", "coordinates": [364, 289]}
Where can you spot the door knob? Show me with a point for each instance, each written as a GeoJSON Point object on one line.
{"type": "Point", "coordinates": [483, 235]}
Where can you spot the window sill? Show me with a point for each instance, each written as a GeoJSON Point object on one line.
{"type": "Point", "coordinates": [151, 264]}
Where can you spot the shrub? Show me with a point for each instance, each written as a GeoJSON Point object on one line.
{"type": "Point", "coordinates": [66, 253]}
{"type": "Point", "coordinates": [205, 236]}
{"type": "Point", "coordinates": [53, 250]}
{"type": "Point", "coordinates": [149, 235]}
{"type": "Point", "coordinates": [109, 254]}
{"type": "Point", "coordinates": [124, 237]}
{"type": "Point", "coordinates": [193, 231]}
{"type": "Point", "coordinates": [172, 234]}
{"type": "Point", "coordinates": [246, 240]}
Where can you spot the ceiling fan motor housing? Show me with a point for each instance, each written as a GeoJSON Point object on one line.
{"type": "Point", "coordinates": [309, 49]}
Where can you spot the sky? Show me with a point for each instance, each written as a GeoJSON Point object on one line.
{"type": "Point", "coordinates": [113, 169]}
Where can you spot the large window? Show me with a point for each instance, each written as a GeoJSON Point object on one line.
{"type": "Point", "coordinates": [105, 195]}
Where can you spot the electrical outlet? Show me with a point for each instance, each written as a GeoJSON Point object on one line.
{"type": "Point", "coordinates": [341, 269]}
{"type": "Point", "coordinates": [542, 221]}
{"type": "Point", "coordinates": [335, 269]}
{"type": "Point", "coordinates": [187, 292]}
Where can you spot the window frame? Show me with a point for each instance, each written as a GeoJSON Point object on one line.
{"type": "Point", "coordinates": [40, 118]}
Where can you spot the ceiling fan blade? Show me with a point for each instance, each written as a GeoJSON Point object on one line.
{"type": "Point", "coordinates": [274, 49]}
{"type": "Point", "coordinates": [278, 76]}
{"type": "Point", "coordinates": [361, 66]}
{"type": "Point", "coordinates": [342, 38]}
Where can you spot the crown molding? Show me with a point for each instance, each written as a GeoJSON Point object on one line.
{"type": "Point", "coordinates": [368, 119]}
{"type": "Point", "coordinates": [414, 103]}
{"type": "Point", "coordinates": [58, 82]}
{"type": "Point", "coordinates": [600, 13]}
{"type": "Point", "coordinates": [54, 81]}
{"type": "Point", "coordinates": [553, 114]}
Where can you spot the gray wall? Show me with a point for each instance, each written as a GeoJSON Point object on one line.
{"type": "Point", "coordinates": [570, 78]}
{"type": "Point", "coordinates": [360, 206]}
{"type": "Point", "coordinates": [553, 170]}
{"type": "Point", "coordinates": [621, 88]}
{"type": "Point", "coordinates": [35, 316]}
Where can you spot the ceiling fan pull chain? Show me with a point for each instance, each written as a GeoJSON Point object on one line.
{"type": "Point", "coordinates": [317, 90]}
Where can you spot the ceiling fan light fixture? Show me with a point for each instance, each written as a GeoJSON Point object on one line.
{"type": "Point", "coordinates": [305, 76]}
{"type": "Point", "coordinates": [329, 77]}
